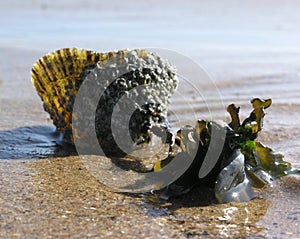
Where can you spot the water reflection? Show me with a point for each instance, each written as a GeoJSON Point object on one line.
{"type": "Point", "coordinates": [198, 215]}
{"type": "Point", "coordinates": [32, 142]}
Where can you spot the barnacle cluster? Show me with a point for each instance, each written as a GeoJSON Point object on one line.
{"type": "Point", "coordinates": [58, 76]}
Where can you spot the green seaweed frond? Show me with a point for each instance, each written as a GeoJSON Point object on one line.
{"type": "Point", "coordinates": [258, 156]}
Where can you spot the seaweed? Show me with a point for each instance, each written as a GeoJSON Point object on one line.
{"type": "Point", "coordinates": [244, 162]}
{"type": "Point", "coordinates": [257, 155]}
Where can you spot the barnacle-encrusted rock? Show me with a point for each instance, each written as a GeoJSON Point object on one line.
{"type": "Point", "coordinates": [58, 76]}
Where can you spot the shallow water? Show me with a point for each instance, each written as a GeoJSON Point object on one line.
{"type": "Point", "coordinates": [248, 50]}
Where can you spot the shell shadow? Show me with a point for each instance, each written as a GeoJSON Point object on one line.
{"type": "Point", "coordinates": [33, 142]}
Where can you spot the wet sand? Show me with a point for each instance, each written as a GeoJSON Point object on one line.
{"type": "Point", "coordinates": [47, 193]}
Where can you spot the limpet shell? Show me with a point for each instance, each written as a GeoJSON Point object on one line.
{"type": "Point", "coordinates": [57, 77]}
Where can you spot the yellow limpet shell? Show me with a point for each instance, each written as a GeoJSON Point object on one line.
{"type": "Point", "coordinates": [56, 78]}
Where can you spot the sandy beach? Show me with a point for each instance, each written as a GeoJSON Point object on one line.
{"type": "Point", "coordinates": [249, 49]}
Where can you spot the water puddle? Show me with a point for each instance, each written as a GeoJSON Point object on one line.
{"type": "Point", "coordinates": [32, 142]}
